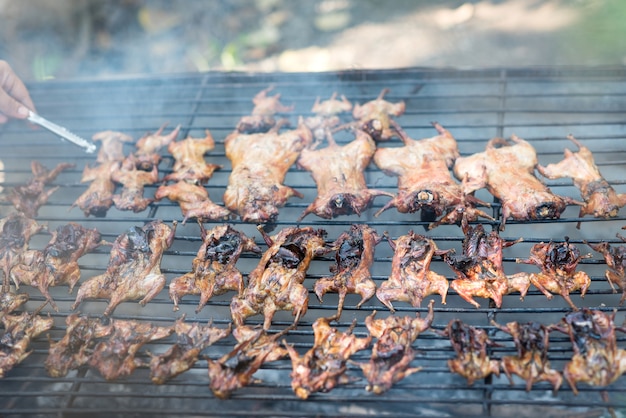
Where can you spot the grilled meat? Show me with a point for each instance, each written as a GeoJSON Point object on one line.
{"type": "Point", "coordinates": [507, 170]}
{"type": "Point", "coordinates": [191, 340]}
{"type": "Point", "coordinates": [133, 178]}
{"type": "Point", "coordinates": [558, 262]}
{"type": "Point", "coordinates": [260, 162]}
{"type": "Point", "coordinates": [323, 367]}
{"type": "Point", "coordinates": [374, 117]}
{"type": "Point", "coordinates": [326, 115]}
{"type": "Point", "coordinates": [148, 147]}
{"type": "Point", "coordinates": [213, 271]}
{"type": "Point", "coordinates": [411, 279]}
{"type": "Point", "coordinates": [189, 156]}
{"type": "Point", "coordinates": [134, 270]}
{"type": "Point", "coordinates": [338, 174]}
{"type": "Point", "coordinates": [11, 301]}
{"type": "Point", "coordinates": [392, 352]}
{"type": "Point", "coordinates": [98, 197]}
{"type": "Point", "coordinates": [276, 282]}
{"type": "Point", "coordinates": [194, 201]}
{"type": "Point", "coordinates": [262, 118]}
{"type": "Point", "coordinates": [112, 148]}
{"type": "Point", "coordinates": [15, 233]}
{"type": "Point", "coordinates": [353, 259]}
{"type": "Point", "coordinates": [615, 258]}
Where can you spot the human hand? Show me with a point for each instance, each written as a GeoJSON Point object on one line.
{"type": "Point", "coordinates": [15, 102]}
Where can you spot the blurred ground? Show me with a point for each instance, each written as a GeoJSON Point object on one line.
{"type": "Point", "coordinates": [103, 38]}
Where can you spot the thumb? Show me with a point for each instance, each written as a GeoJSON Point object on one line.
{"type": "Point", "coordinates": [11, 107]}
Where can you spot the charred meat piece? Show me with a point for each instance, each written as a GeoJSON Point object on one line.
{"type": "Point", "coordinates": [558, 262]}
{"type": "Point", "coordinates": [28, 198]}
{"type": "Point", "coordinates": [338, 174]}
{"type": "Point", "coordinates": [194, 201]}
{"type": "Point", "coordinates": [148, 147]}
{"type": "Point", "coordinates": [411, 279]}
{"type": "Point", "coordinates": [276, 282]}
{"type": "Point", "coordinates": [424, 180]}
{"type": "Point", "coordinates": [600, 198]}
{"type": "Point", "coordinates": [479, 269]}
{"type": "Point", "coordinates": [531, 363]}
{"type": "Point", "coordinates": [235, 369]}
{"type": "Point", "coordinates": [392, 352]}
{"type": "Point", "coordinates": [353, 259]}
{"type": "Point", "coordinates": [11, 301]}
{"type": "Point", "coordinates": [189, 156]}
{"type": "Point", "coordinates": [326, 115]}
{"type": "Point", "coordinates": [191, 340]}
{"type": "Point", "coordinates": [134, 270]}
{"type": "Point", "coordinates": [470, 345]}
{"type": "Point", "coordinates": [114, 357]}
{"type": "Point", "coordinates": [75, 348]}
{"type": "Point", "coordinates": [507, 170]}
{"type": "Point", "coordinates": [262, 118]}
{"type": "Point", "coordinates": [260, 162]}
{"type": "Point", "coordinates": [133, 179]}
{"type": "Point", "coordinates": [112, 148]}
{"type": "Point", "coordinates": [213, 271]}
{"type": "Point", "coordinates": [98, 197]}
{"type": "Point", "coordinates": [374, 117]}
{"type": "Point", "coordinates": [323, 367]}
{"type": "Point", "coordinates": [615, 258]}
{"type": "Point", "coordinates": [15, 233]}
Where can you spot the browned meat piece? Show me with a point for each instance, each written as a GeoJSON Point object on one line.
{"type": "Point", "coordinates": [262, 118]}
{"type": "Point", "coordinates": [28, 198]}
{"type": "Point", "coordinates": [98, 197]}
{"type": "Point", "coordinates": [191, 340]}
{"type": "Point", "coordinates": [75, 348]}
{"type": "Point", "coordinates": [326, 115]}
{"type": "Point", "coordinates": [276, 282]}
{"type": "Point", "coordinates": [112, 148]}
{"type": "Point", "coordinates": [374, 117]}
{"type": "Point", "coordinates": [558, 264]}
{"type": "Point", "coordinates": [213, 271]}
{"type": "Point", "coordinates": [507, 171]}
{"type": "Point", "coordinates": [411, 279]}
{"type": "Point", "coordinates": [57, 264]}
{"type": "Point", "coordinates": [615, 258]}
{"type": "Point", "coordinates": [260, 162]}
{"type": "Point", "coordinates": [392, 352]}
{"type": "Point", "coordinates": [254, 348]}
{"type": "Point", "coordinates": [189, 159]}
{"type": "Point", "coordinates": [134, 270]}
{"type": "Point", "coordinates": [479, 269]}
{"type": "Point", "coordinates": [600, 198]}
{"type": "Point", "coordinates": [15, 233]}
{"type": "Point", "coordinates": [19, 331]}
{"type": "Point", "coordinates": [133, 178]}
{"type": "Point", "coordinates": [470, 345]}
{"type": "Point", "coordinates": [338, 174]}
{"type": "Point", "coordinates": [11, 301]}
{"type": "Point", "coordinates": [148, 147]}
{"type": "Point", "coordinates": [323, 367]}
{"type": "Point", "coordinates": [424, 180]}
{"type": "Point", "coordinates": [194, 201]}
{"type": "Point", "coordinates": [531, 363]}
{"type": "Point", "coordinates": [353, 259]}
{"type": "Point", "coordinates": [114, 357]}
{"type": "Point", "coordinates": [597, 359]}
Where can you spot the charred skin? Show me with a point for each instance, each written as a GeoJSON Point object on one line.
{"type": "Point", "coordinates": [189, 162]}
{"type": "Point", "coordinates": [193, 200]}
{"type": "Point", "coordinates": [375, 117]}
{"type": "Point", "coordinates": [615, 258]}
{"type": "Point", "coordinates": [98, 198]}
{"type": "Point", "coordinates": [15, 233]}
{"type": "Point", "coordinates": [133, 179]}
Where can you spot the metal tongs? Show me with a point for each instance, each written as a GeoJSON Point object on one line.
{"type": "Point", "coordinates": [62, 132]}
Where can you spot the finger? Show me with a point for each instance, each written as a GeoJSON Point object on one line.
{"type": "Point", "coordinates": [14, 98]}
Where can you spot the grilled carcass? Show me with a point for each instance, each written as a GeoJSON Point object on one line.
{"type": "Point", "coordinates": [323, 367]}
{"type": "Point", "coordinates": [424, 179]}
{"type": "Point", "coordinates": [392, 352]}
{"type": "Point", "coordinates": [194, 201]}
{"type": "Point", "coordinates": [11, 301]}
{"type": "Point", "coordinates": [260, 162]}
{"type": "Point", "coordinates": [134, 270]}
{"type": "Point", "coordinates": [479, 268]}
{"type": "Point", "coordinates": [189, 162]}
{"type": "Point", "coordinates": [507, 170]}
{"type": "Point", "coordinates": [411, 279]}
{"type": "Point", "coordinates": [470, 345]}
{"type": "Point", "coordinates": [338, 174]}
{"type": "Point", "coordinates": [254, 348]}
{"type": "Point", "coordinates": [98, 197]}
{"type": "Point", "coordinates": [75, 348]}
{"type": "Point", "coordinates": [326, 115]}
{"type": "Point", "coordinates": [615, 258]}
{"type": "Point", "coordinates": [15, 233]}
{"type": "Point", "coordinates": [600, 198]}
{"type": "Point", "coordinates": [374, 117]}
{"type": "Point", "coordinates": [191, 340]}
{"type": "Point", "coordinates": [276, 282]}
{"type": "Point", "coordinates": [29, 197]}
{"type": "Point", "coordinates": [148, 146]}
{"type": "Point", "coordinates": [262, 118]}
{"type": "Point", "coordinates": [558, 262]}
{"type": "Point", "coordinates": [351, 272]}
{"type": "Point", "coordinates": [114, 357]}
{"type": "Point", "coordinates": [133, 178]}
{"type": "Point", "coordinates": [531, 363]}
{"type": "Point", "coordinates": [112, 148]}
{"type": "Point", "coordinates": [213, 271]}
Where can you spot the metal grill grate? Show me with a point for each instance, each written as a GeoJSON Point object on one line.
{"type": "Point", "coordinates": [539, 105]}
